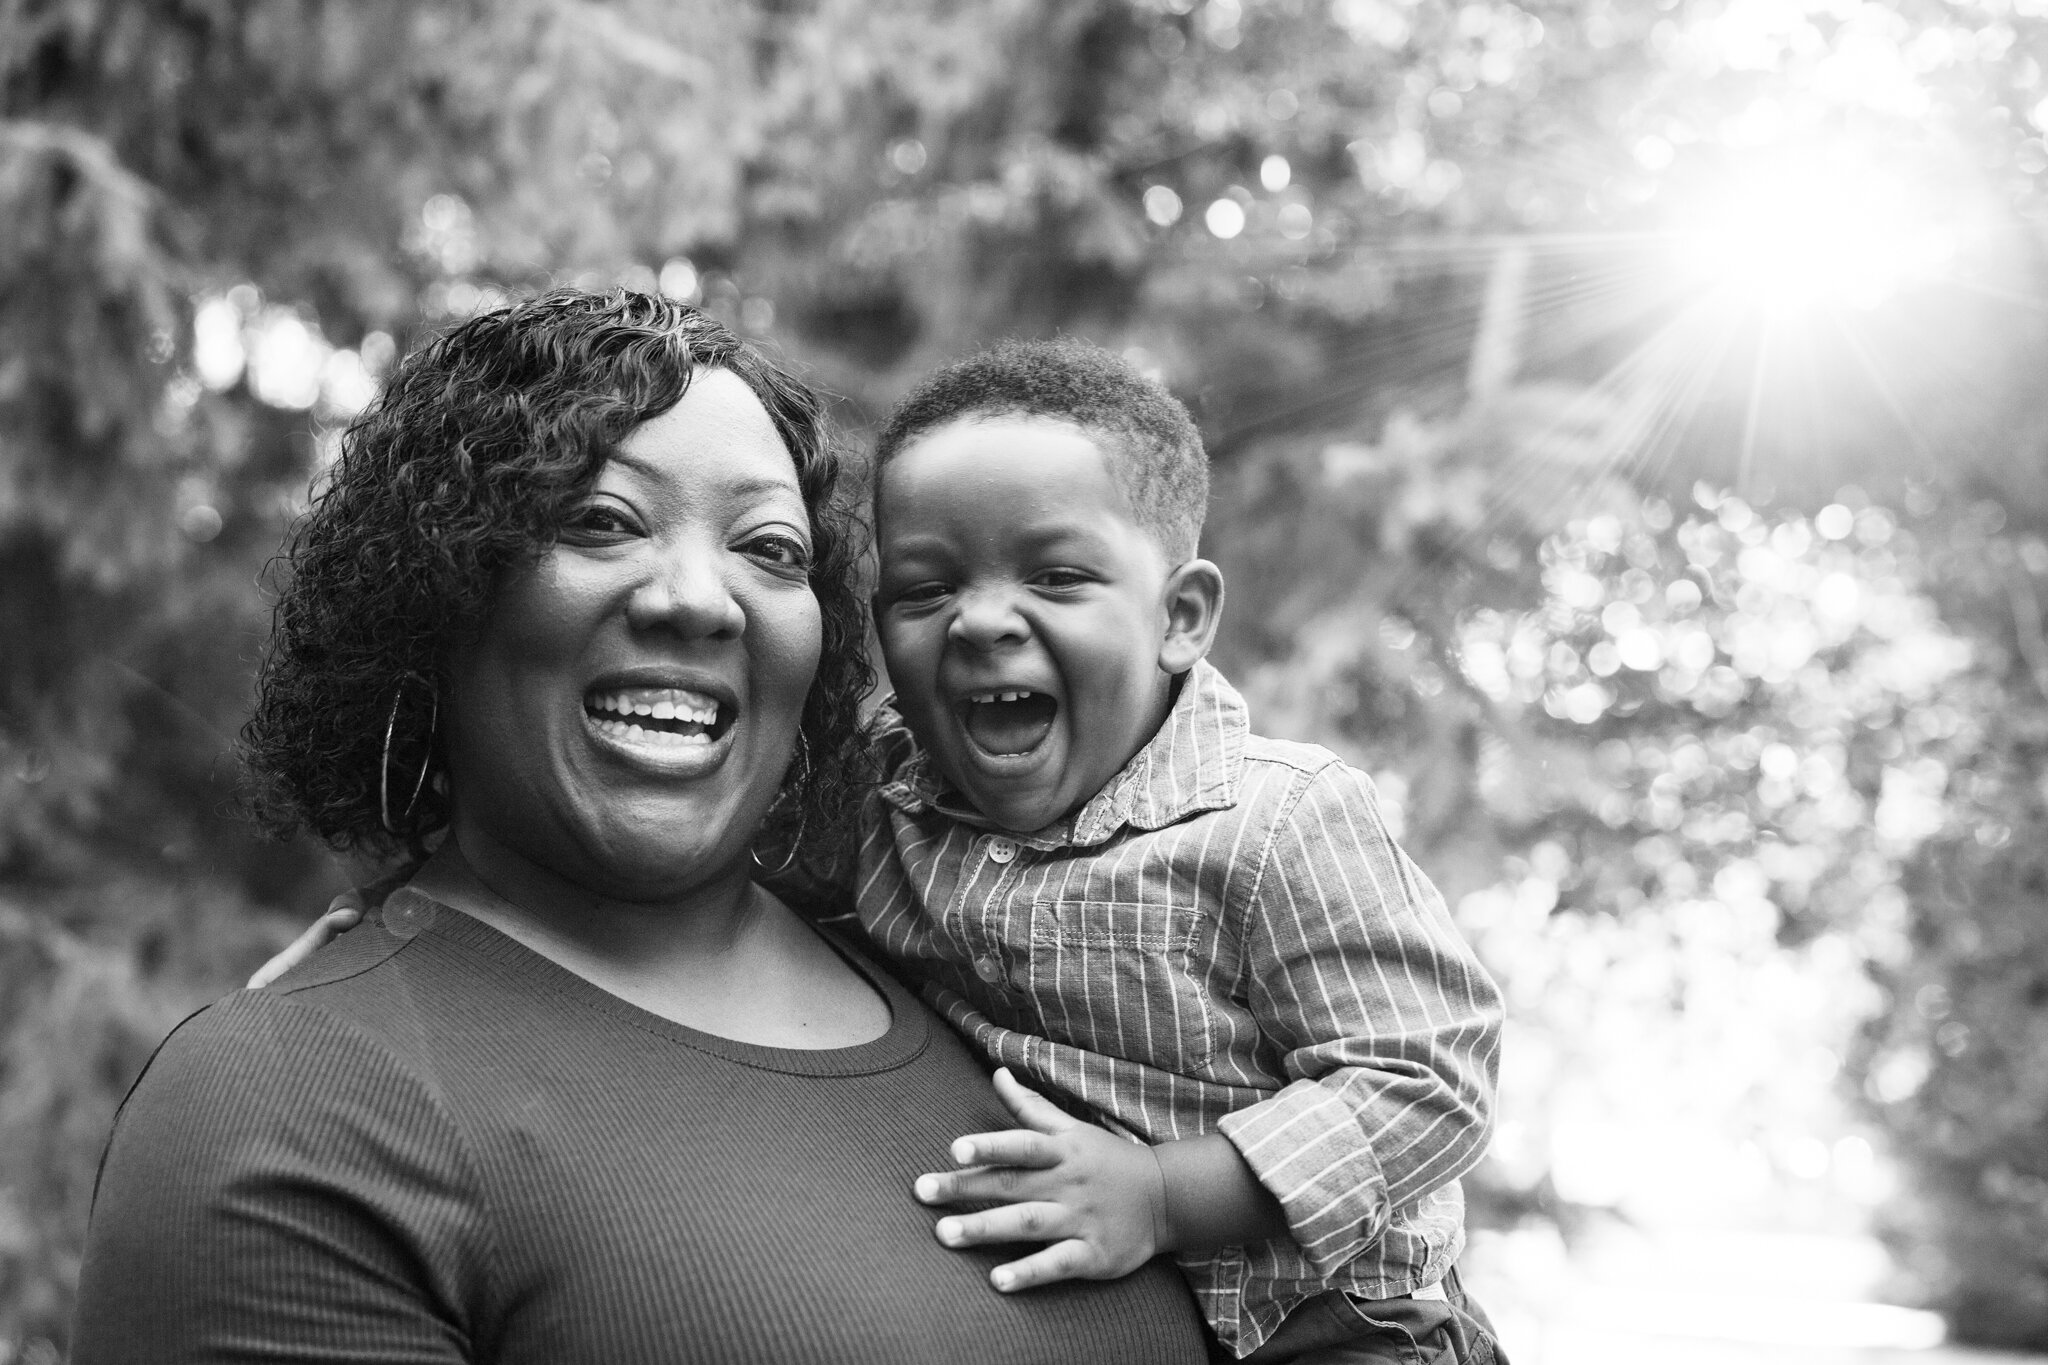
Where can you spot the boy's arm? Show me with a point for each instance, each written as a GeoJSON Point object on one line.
{"type": "Point", "coordinates": [1390, 1028]}
{"type": "Point", "coordinates": [1390, 1034]}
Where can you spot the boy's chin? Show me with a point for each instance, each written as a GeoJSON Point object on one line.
{"type": "Point", "coordinates": [1001, 808]}
{"type": "Point", "coordinates": [1018, 811]}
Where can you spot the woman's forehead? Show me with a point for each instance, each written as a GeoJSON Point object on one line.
{"type": "Point", "coordinates": [718, 431]}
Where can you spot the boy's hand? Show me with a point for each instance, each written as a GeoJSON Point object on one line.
{"type": "Point", "coordinates": [344, 912]}
{"type": "Point", "coordinates": [1098, 1199]}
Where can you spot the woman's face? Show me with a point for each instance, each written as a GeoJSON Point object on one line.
{"type": "Point", "coordinates": [627, 714]}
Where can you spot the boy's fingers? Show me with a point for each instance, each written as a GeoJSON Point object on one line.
{"type": "Point", "coordinates": [269, 972]}
{"type": "Point", "coordinates": [1010, 1223]}
{"type": "Point", "coordinates": [1068, 1260]}
{"type": "Point", "coordinates": [339, 919]}
{"type": "Point", "coordinates": [1016, 1147]}
{"type": "Point", "coordinates": [955, 1187]}
{"type": "Point", "coordinates": [1030, 1107]}
{"type": "Point", "coordinates": [979, 1185]}
{"type": "Point", "coordinates": [341, 916]}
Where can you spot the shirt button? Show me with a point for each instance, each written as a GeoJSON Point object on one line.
{"type": "Point", "coordinates": [1002, 850]}
{"type": "Point", "coordinates": [988, 969]}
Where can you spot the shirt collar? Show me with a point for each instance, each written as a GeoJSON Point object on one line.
{"type": "Point", "coordinates": [1194, 763]}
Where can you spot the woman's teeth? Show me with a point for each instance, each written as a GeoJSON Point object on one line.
{"type": "Point", "coordinates": [664, 717]}
{"type": "Point", "coordinates": [659, 739]}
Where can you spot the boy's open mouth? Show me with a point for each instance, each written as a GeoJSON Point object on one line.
{"type": "Point", "coordinates": [665, 717]}
{"type": "Point", "coordinates": [1009, 722]}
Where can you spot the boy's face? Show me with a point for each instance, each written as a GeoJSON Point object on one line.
{"type": "Point", "coordinates": [1022, 611]}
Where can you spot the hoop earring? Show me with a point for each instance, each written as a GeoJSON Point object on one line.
{"type": "Point", "coordinates": [384, 764]}
{"type": "Point", "coordinates": [803, 754]}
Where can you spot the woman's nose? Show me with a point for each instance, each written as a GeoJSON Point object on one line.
{"type": "Point", "coordinates": [686, 593]}
{"type": "Point", "coordinates": [986, 619]}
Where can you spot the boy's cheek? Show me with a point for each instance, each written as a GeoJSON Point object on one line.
{"type": "Point", "coordinates": [895, 636]}
{"type": "Point", "coordinates": [913, 701]}
{"type": "Point", "coordinates": [907, 662]}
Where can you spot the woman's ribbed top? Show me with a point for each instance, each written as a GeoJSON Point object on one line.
{"type": "Point", "coordinates": [430, 1144]}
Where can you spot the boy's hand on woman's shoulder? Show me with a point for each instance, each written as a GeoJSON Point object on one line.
{"type": "Point", "coordinates": [343, 913]}
{"type": "Point", "coordinates": [1099, 1200]}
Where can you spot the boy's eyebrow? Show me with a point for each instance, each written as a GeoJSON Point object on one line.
{"type": "Point", "coordinates": [1040, 538]}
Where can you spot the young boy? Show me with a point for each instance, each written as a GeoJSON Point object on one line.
{"type": "Point", "coordinates": [1205, 939]}
{"type": "Point", "coordinates": [1114, 888]}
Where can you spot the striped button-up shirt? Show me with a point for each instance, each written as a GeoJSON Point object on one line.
{"type": "Point", "coordinates": [1225, 939]}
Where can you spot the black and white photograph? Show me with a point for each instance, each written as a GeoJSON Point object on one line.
{"type": "Point", "coordinates": [1024, 682]}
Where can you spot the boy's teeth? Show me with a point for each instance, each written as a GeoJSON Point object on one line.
{"type": "Point", "coordinates": [1009, 721]}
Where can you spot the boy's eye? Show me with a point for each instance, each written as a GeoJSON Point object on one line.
{"type": "Point", "coordinates": [1061, 578]}
{"type": "Point", "coordinates": [918, 594]}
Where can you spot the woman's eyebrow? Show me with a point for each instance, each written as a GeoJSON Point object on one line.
{"type": "Point", "coordinates": [763, 484]}
{"type": "Point", "coordinates": [752, 486]}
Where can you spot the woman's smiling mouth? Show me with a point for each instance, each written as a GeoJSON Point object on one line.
{"type": "Point", "coordinates": [669, 719]}
{"type": "Point", "coordinates": [1009, 722]}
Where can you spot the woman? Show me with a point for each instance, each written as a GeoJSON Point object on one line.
{"type": "Point", "coordinates": [581, 586]}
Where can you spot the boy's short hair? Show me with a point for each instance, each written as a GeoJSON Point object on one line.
{"type": "Point", "coordinates": [1154, 451]}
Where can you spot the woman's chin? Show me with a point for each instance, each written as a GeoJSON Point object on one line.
{"type": "Point", "coordinates": [649, 850]}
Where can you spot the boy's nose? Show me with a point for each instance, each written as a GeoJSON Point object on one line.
{"type": "Point", "coordinates": [684, 592]}
{"type": "Point", "coordinates": [987, 619]}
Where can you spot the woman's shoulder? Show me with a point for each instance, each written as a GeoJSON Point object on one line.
{"type": "Point", "coordinates": [259, 1056]}
{"type": "Point", "coordinates": [290, 1156]}
{"type": "Point", "coordinates": [343, 1032]}
{"type": "Point", "coordinates": [247, 1095]}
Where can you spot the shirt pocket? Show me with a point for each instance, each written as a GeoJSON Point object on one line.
{"type": "Point", "coordinates": [1117, 977]}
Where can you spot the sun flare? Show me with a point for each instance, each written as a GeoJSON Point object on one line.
{"type": "Point", "coordinates": [1818, 229]}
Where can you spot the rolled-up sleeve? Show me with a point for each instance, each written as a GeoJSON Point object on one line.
{"type": "Point", "coordinates": [1387, 1025]}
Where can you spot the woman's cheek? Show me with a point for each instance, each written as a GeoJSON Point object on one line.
{"type": "Point", "coordinates": [796, 646]}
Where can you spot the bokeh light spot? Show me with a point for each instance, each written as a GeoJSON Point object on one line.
{"type": "Point", "coordinates": [1162, 206]}
{"type": "Point", "coordinates": [1225, 218]}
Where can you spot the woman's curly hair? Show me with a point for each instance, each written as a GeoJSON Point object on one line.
{"type": "Point", "coordinates": [464, 467]}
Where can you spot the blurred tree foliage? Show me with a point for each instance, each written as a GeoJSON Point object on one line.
{"type": "Point", "coordinates": [1674, 753]}
{"type": "Point", "coordinates": [1953, 1063]}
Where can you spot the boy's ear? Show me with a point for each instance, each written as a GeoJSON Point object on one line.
{"type": "Point", "coordinates": [1194, 607]}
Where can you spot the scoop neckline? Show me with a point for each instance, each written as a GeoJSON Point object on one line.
{"type": "Point", "coordinates": [410, 913]}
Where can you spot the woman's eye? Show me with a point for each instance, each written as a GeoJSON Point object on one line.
{"type": "Point", "coordinates": [783, 551]}
{"type": "Point", "coordinates": [600, 520]}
